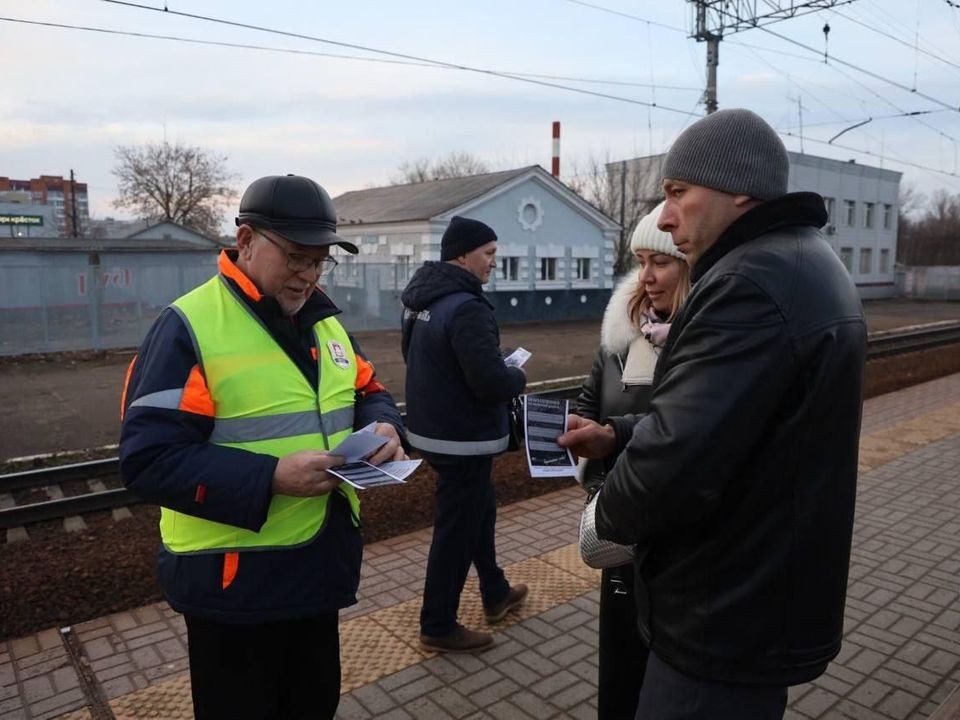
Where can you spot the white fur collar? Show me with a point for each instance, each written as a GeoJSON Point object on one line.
{"type": "Point", "coordinates": [617, 331]}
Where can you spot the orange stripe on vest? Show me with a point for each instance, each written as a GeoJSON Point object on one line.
{"type": "Point", "coordinates": [126, 384]}
{"type": "Point", "coordinates": [231, 561]}
{"type": "Point", "coordinates": [196, 395]}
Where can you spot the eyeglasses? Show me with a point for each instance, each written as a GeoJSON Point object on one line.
{"type": "Point", "coordinates": [297, 262]}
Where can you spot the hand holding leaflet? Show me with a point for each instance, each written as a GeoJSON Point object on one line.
{"type": "Point", "coordinates": [544, 420]}
{"type": "Point", "coordinates": [361, 474]}
{"type": "Point", "coordinates": [360, 444]}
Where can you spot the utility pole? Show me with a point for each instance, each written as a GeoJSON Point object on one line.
{"type": "Point", "coordinates": [713, 17]}
{"type": "Point", "coordinates": [73, 206]}
{"type": "Point", "coordinates": [713, 56]}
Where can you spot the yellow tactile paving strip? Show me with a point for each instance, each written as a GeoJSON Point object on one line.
{"type": "Point", "coordinates": [886, 445]}
{"type": "Point", "coordinates": [387, 641]}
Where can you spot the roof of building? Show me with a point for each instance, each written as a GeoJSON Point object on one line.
{"type": "Point", "coordinates": [417, 201]}
{"type": "Point", "coordinates": [58, 244]}
{"type": "Point", "coordinates": [144, 239]}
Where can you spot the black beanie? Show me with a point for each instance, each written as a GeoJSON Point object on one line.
{"type": "Point", "coordinates": [464, 235]}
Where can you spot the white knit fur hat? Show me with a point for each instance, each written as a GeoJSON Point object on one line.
{"type": "Point", "coordinates": [647, 236]}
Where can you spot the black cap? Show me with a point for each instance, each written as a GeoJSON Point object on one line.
{"type": "Point", "coordinates": [292, 206]}
{"type": "Point", "coordinates": [463, 235]}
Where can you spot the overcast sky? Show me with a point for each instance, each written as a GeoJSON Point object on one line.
{"type": "Point", "coordinates": [71, 96]}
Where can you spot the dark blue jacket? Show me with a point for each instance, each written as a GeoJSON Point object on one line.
{"type": "Point", "coordinates": [457, 383]}
{"type": "Point", "coordinates": [166, 458]}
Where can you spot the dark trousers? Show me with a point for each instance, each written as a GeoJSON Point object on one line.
{"type": "Point", "coordinates": [464, 524]}
{"type": "Point", "coordinates": [285, 670]}
{"type": "Point", "coordinates": [668, 694]}
{"type": "Point", "coordinates": [623, 653]}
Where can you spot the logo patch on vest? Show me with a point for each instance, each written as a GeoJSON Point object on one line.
{"type": "Point", "coordinates": [338, 354]}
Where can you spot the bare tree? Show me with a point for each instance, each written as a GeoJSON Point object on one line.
{"type": "Point", "coordinates": [930, 232]}
{"type": "Point", "coordinates": [456, 164]}
{"type": "Point", "coordinates": [173, 181]}
{"type": "Point", "coordinates": [619, 191]}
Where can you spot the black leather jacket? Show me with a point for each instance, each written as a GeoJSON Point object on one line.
{"type": "Point", "coordinates": [741, 478]}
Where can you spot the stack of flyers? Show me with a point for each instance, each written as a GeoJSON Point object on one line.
{"type": "Point", "coordinates": [363, 475]}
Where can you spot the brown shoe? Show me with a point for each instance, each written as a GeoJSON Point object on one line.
{"type": "Point", "coordinates": [461, 640]}
{"type": "Point", "coordinates": [513, 600]}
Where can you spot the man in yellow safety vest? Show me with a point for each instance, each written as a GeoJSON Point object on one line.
{"type": "Point", "coordinates": [229, 408]}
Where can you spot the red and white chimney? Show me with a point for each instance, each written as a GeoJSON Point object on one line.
{"type": "Point", "coordinates": [555, 165]}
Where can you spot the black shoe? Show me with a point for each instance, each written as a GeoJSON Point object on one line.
{"type": "Point", "coordinates": [513, 600]}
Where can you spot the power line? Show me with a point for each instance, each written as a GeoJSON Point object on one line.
{"type": "Point", "coordinates": [391, 53]}
{"type": "Point", "coordinates": [900, 27]}
{"type": "Point", "coordinates": [873, 154]}
{"type": "Point", "coordinates": [912, 46]}
{"type": "Point", "coordinates": [611, 11]}
{"type": "Point", "coordinates": [874, 75]}
{"type": "Point", "coordinates": [895, 106]}
{"type": "Point", "coordinates": [835, 59]}
{"type": "Point", "coordinates": [338, 56]}
{"type": "Point", "coordinates": [828, 106]}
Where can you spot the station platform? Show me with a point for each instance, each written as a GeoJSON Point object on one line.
{"type": "Point", "coordinates": [900, 658]}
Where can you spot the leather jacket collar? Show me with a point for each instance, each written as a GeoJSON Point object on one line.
{"type": "Point", "coordinates": [800, 208]}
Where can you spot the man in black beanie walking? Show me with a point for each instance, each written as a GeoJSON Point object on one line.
{"type": "Point", "coordinates": [457, 392]}
{"type": "Point", "coordinates": [741, 479]}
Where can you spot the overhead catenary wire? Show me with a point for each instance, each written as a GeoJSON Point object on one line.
{"type": "Point", "coordinates": [338, 56]}
{"type": "Point", "coordinates": [438, 63]}
{"type": "Point", "coordinates": [388, 53]}
{"type": "Point", "coordinates": [915, 46]}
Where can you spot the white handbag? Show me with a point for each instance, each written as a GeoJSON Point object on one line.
{"type": "Point", "coordinates": [599, 553]}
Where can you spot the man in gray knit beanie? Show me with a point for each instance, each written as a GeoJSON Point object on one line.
{"type": "Point", "coordinates": [738, 486]}
{"type": "Point", "coordinates": [732, 160]}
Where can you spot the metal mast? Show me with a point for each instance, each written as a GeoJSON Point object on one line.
{"type": "Point", "coordinates": [713, 18]}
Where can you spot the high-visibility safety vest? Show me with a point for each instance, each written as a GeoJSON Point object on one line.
{"type": "Point", "coordinates": [264, 404]}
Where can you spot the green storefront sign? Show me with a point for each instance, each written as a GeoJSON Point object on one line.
{"type": "Point", "coordinates": [34, 220]}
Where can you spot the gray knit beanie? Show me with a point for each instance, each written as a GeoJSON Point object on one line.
{"type": "Point", "coordinates": [734, 151]}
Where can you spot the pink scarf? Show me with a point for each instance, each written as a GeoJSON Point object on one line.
{"type": "Point", "coordinates": [653, 328]}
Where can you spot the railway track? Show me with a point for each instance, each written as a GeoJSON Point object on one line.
{"type": "Point", "coordinates": [69, 491]}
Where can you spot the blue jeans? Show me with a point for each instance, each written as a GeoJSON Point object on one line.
{"type": "Point", "coordinates": [669, 694]}
{"type": "Point", "coordinates": [464, 523]}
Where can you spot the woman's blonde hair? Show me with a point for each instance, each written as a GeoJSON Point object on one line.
{"type": "Point", "coordinates": [640, 301]}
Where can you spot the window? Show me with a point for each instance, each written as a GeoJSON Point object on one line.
{"type": "Point", "coordinates": [887, 217]}
{"type": "Point", "coordinates": [509, 268]}
{"type": "Point", "coordinates": [866, 261]}
{"type": "Point", "coordinates": [828, 203]}
{"type": "Point", "coordinates": [885, 259]}
{"type": "Point", "coordinates": [846, 257]}
{"type": "Point", "coordinates": [582, 270]}
{"type": "Point", "coordinates": [548, 268]}
{"type": "Point", "coordinates": [849, 213]}
{"type": "Point", "coordinates": [868, 215]}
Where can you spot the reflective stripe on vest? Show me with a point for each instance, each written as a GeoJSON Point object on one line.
{"type": "Point", "coordinates": [262, 403]}
{"type": "Point", "coordinates": [238, 430]}
{"type": "Point", "coordinates": [459, 447]}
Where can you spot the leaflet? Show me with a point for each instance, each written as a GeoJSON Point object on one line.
{"type": "Point", "coordinates": [359, 444]}
{"type": "Point", "coordinates": [362, 475]}
{"type": "Point", "coordinates": [544, 420]}
{"type": "Point", "coordinates": [517, 358]}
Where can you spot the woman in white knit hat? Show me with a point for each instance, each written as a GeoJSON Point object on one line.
{"type": "Point", "coordinates": [635, 327]}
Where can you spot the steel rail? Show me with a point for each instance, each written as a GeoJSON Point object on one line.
{"type": "Point", "coordinates": [880, 345]}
